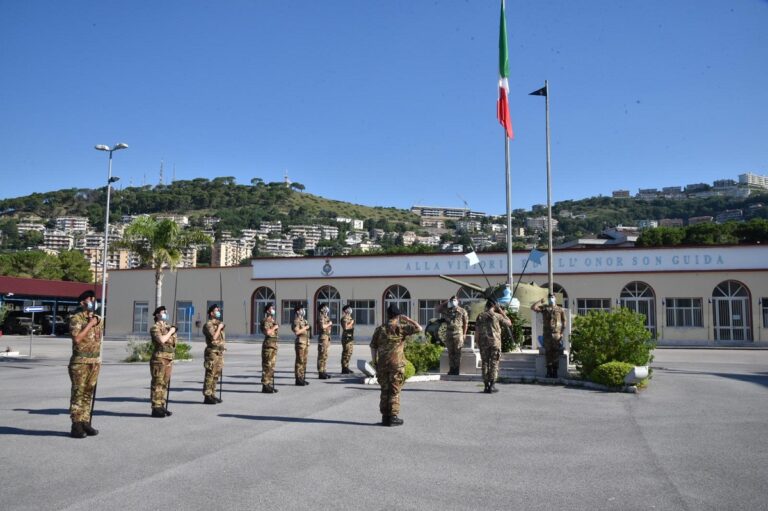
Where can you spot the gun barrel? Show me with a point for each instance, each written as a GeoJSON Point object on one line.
{"type": "Point", "coordinates": [463, 284]}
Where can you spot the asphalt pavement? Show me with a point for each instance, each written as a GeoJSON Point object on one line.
{"type": "Point", "coordinates": [694, 439]}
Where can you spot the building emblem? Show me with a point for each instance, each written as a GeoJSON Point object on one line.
{"type": "Point", "coordinates": [327, 270]}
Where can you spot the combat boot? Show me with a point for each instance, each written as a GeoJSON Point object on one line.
{"type": "Point", "coordinates": [492, 388]}
{"type": "Point", "coordinates": [77, 430]}
{"type": "Point", "coordinates": [453, 372]}
{"type": "Point", "coordinates": [167, 412]}
{"type": "Point", "coordinates": [209, 400]}
{"type": "Point", "coordinates": [268, 389]}
{"type": "Point", "coordinates": [324, 376]}
{"type": "Point", "coordinates": [486, 388]}
{"type": "Point", "coordinates": [158, 412]}
{"type": "Point", "coordinates": [394, 420]}
{"type": "Point", "coordinates": [301, 382]}
{"type": "Point", "coordinates": [385, 420]}
{"type": "Point", "coordinates": [346, 370]}
{"type": "Point", "coordinates": [218, 400]}
{"type": "Point", "coordinates": [89, 430]}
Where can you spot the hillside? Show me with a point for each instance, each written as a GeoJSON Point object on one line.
{"type": "Point", "coordinates": [238, 206]}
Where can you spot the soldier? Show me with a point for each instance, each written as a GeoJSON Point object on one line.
{"type": "Point", "coordinates": [300, 328]}
{"type": "Point", "coordinates": [457, 321]}
{"type": "Point", "coordinates": [323, 342]}
{"type": "Point", "coordinates": [214, 354]}
{"type": "Point", "coordinates": [269, 328]}
{"type": "Point", "coordinates": [488, 332]}
{"type": "Point", "coordinates": [347, 338]}
{"type": "Point", "coordinates": [160, 365]}
{"type": "Point", "coordinates": [553, 319]}
{"type": "Point", "coordinates": [85, 330]}
{"type": "Point", "coordinates": [387, 355]}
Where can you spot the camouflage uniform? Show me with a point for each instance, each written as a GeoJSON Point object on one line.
{"type": "Point", "coordinates": [268, 352]}
{"type": "Point", "coordinates": [553, 319]}
{"type": "Point", "coordinates": [302, 347]}
{"type": "Point", "coordinates": [456, 320]}
{"type": "Point", "coordinates": [161, 363]}
{"type": "Point", "coordinates": [84, 366]}
{"type": "Point", "coordinates": [323, 342]}
{"type": "Point", "coordinates": [488, 333]}
{"type": "Point", "coordinates": [347, 340]}
{"type": "Point", "coordinates": [213, 356]}
{"type": "Point", "coordinates": [388, 340]}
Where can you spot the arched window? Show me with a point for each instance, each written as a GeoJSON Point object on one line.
{"type": "Point", "coordinates": [330, 296]}
{"type": "Point", "coordinates": [262, 297]}
{"type": "Point", "coordinates": [398, 296]}
{"type": "Point", "coordinates": [638, 297]}
{"type": "Point", "coordinates": [731, 309]}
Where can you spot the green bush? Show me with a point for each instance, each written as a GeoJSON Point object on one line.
{"type": "Point", "coordinates": [513, 338]}
{"type": "Point", "coordinates": [423, 355]}
{"type": "Point", "coordinates": [611, 374]}
{"type": "Point", "coordinates": [410, 370]}
{"type": "Point", "coordinates": [140, 350]}
{"type": "Point", "coordinates": [619, 335]}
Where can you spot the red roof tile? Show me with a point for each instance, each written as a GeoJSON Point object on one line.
{"type": "Point", "coordinates": [48, 288]}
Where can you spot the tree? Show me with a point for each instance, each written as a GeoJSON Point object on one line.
{"type": "Point", "coordinates": [74, 266]}
{"type": "Point", "coordinates": [298, 187]}
{"type": "Point", "coordinates": [159, 245]}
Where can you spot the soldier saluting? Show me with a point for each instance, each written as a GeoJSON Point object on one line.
{"type": "Point", "coordinates": [323, 342]}
{"type": "Point", "coordinates": [86, 332]}
{"type": "Point", "coordinates": [387, 354]}
{"type": "Point", "coordinates": [553, 317]}
{"type": "Point", "coordinates": [488, 332]}
{"type": "Point", "coordinates": [214, 354]}
{"type": "Point", "coordinates": [269, 328]}
{"type": "Point", "coordinates": [457, 321]}
{"type": "Point", "coordinates": [347, 338]}
{"type": "Point", "coordinates": [300, 328]}
{"type": "Point", "coordinates": [161, 364]}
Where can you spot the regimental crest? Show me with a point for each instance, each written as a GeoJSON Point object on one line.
{"type": "Point", "coordinates": [327, 270]}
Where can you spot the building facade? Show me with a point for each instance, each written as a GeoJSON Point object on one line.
{"type": "Point", "coordinates": [708, 296]}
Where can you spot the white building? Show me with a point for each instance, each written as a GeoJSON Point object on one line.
{"type": "Point", "coordinates": [539, 223]}
{"type": "Point", "coordinates": [180, 220]}
{"type": "Point", "coordinates": [58, 240]}
{"type": "Point", "coordinates": [443, 212]}
{"type": "Point", "coordinates": [72, 224]}
{"type": "Point", "coordinates": [754, 180]}
{"type": "Point", "coordinates": [280, 247]}
{"type": "Point", "coordinates": [23, 227]}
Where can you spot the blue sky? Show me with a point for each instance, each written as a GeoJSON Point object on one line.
{"type": "Point", "coordinates": [384, 102]}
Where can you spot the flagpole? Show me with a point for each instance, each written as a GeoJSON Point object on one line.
{"type": "Point", "coordinates": [510, 279]}
{"type": "Point", "coordinates": [549, 194]}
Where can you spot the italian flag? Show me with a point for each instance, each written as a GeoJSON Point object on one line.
{"type": "Point", "coordinates": [502, 105]}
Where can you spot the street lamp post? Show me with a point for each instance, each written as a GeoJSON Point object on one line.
{"type": "Point", "coordinates": [110, 180]}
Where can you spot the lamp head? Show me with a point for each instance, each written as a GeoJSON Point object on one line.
{"type": "Point", "coordinates": [120, 146]}
{"type": "Point", "coordinates": [101, 147]}
{"type": "Point", "coordinates": [113, 179]}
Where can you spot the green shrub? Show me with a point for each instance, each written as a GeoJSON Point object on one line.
{"type": "Point", "coordinates": [140, 350]}
{"type": "Point", "coordinates": [409, 369]}
{"type": "Point", "coordinates": [611, 374]}
{"type": "Point", "coordinates": [619, 335]}
{"type": "Point", "coordinates": [513, 338]}
{"type": "Point", "coordinates": [423, 355]}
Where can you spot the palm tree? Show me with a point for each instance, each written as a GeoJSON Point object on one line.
{"type": "Point", "coordinates": [160, 245]}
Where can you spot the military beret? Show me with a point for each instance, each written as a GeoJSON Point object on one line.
{"type": "Point", "coordinates": [159, 310]}
{"type": "Point", "coordinates": [85, 295]}
{"type": "Point", "coordinates": [212, 308]}
{"type": "Point", "coordinates": [298, 307]}
{"type": "Point", "coordinates": [347, 308]}
{"type": "Point", "coordinates": [320, 306]}
{"type": "Point", "coordinates": [392, 310]}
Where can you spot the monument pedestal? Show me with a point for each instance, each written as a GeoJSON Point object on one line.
{"type": "Point", "coordinates": [470, 358]}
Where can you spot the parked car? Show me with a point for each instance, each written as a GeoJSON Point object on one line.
{"type": "Point", "coordinates": [21, 326]}
{"type": "Point", "coordinates": [61, 327]}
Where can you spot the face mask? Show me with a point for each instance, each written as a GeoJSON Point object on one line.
{"type": "Point", "coordinates": [217, 315]}
{"type": "Point", "coordinates": [301, 312]}
{"type": "Point", "coordinates": [552, 302]}
{"type": "Point", "coordinates": [453, 303]}
{"type": "Point", "coordinates": [92, 306]}
{"type": "Point", "coordinates": [270, 312]}
{"type": "Point", "coordinates": [163, 316]}
{"type": "Point", "coordinates": [324, 311]}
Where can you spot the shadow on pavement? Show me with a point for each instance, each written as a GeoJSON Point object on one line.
{"type": "Point", "coordinates": [446, 391]}
{"type": "Point", "coordinates": [305, 420]}
{"type": "Point", "coordinates": [5, 430]}
{"type": "Point", "coordinates": [65, 411]}
{"type": "Point", "coordinates": [141, 400]}
{"type": "Point", "coordinates": [226, 390]}
{"type": "Point", "coordinates": [758, 378]}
